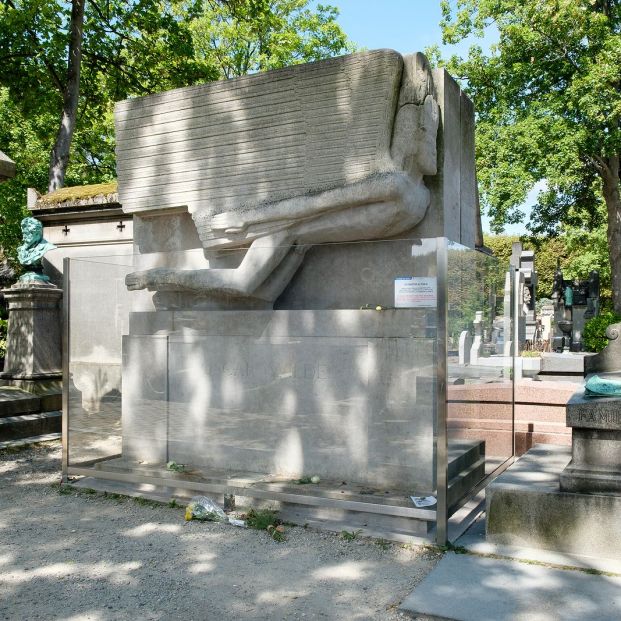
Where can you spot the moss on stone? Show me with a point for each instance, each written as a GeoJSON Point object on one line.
{"type": "Point", "coordinates": [79, 193]}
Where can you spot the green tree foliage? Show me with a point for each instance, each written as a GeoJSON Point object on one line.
{"type": "Point", "coordinates": [125, 49]}
{"type": "Point", "coordinates": [129, 48]}
{"type": "Point", "coordinates": [256, 35]}
{"type": "Point", "coordinates": [594, 333]}
{"type": "Point", "coordinates": [25, 141]}
{"type": "Point", "coordinates": [548, 100]}
{"type": "Point", "coordinates": [577, 252]}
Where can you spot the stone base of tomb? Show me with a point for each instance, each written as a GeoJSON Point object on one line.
{"type": "Point", "coordinates": [329, 504]}
{"type": "Point", "coordinates": [595, 466]}
{"type": "Point", "coordinates": [341, 394]}
{"type": "Point", "coordinates": [527, 508]}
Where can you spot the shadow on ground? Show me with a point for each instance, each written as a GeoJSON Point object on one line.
{"type": "Point", "coordinates": [80, 556]}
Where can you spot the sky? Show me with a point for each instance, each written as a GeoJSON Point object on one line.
{"type": "Point", "coordinates": [402, 25]}
{"type": "Point", "coordinates": [406, 26]}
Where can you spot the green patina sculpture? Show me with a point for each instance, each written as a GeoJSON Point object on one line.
{"type": "Point", "coordinates": [597, 386]}
{"type": "Point", "coordinates": [31, 251]}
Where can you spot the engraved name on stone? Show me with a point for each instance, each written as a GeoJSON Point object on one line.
{"type": "Point", "coordinates": [613, 418]}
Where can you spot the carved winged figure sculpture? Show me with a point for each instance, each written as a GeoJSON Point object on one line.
{"type": "Point", "coordinates": [333, 151]}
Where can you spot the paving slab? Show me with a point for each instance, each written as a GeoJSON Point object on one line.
{"type": "Point", "coordinates": [464, 587]}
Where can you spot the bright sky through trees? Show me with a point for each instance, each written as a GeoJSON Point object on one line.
{"type": "Point", "coordinates": [402, 25]}
{"type": "Point", "coordinates": [406, 26]}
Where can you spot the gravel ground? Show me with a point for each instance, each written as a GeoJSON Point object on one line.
{"type": "Point", "coordinates": [78, 556]}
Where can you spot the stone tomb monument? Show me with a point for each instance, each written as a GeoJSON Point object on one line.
{"type": "Point", "coordinates": [261, 207]}
{"type": "Point", "coordinates": [575, 302]}
{"type": "Point", "coordinates": [595, 418]}
{"type": "Point", "coordinates": [570, 500]}
{"type": "Point", "coordinates": [33, 344]}
{"type": "Point", "coordinates": [33, 358]}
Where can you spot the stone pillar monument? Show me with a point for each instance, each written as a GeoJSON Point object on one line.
{"type": "Point", "coordinates": [595, 419]}
{"type": "Point", "coordinates": [477, 343]}
{"type": "Point", "coordinates": [33, 360]}
{"type": "Point", "coordinates": [524, 260]}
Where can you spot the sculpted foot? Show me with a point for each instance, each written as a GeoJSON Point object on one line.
{"type": "Point", "coordinates": [156, 278]}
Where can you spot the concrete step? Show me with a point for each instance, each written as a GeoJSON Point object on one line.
{"type": "Point", "coordinates": [14, 401]}
{"type": "Point", "coordinates": [466, 467]}
{"type": "Point", "coordinates": [540, 412]}
{"type": "Point", "coordinates": [47, 437]}
{"type": "Point", "coordinates": [462, 454]}
{"type": "Point", "coordinates": [312, 504]}
{"type": "Point", "coordinates": [461, 484]}
{"type": "Point", "coordinates": [296, 507]}
{"type": "Point", "coordinates": [526, 508]}
{"type": "Point", "coordinates": [485, 425]}
{"type": "Point", "coordinates": [502, 411]}
{"type": "Point", "coordinates": [524, 441]}
{"type": "Point", "coordinates": [550, 392]}
{"type": "Point", "coordinates": [29, 425]}
{"type": "Point", "coordinates": [498, 442]}
{"type": "Point", "coordinates": [494, 392]}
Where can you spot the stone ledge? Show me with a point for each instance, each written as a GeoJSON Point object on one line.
{"type": "Point", "coordinates": [594, 412]}
{"type": "Point", "coordinates": [78, 196]}
{"type": "Point", "coordinates": [14, 401]}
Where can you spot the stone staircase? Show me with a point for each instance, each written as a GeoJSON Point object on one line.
{"type": "Point", "coordinates": [466, 467]}
{"type": "Point", "coordinates": [26, 417]}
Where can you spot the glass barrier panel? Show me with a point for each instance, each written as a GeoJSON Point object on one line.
{"type": "Point", "coordinates": [98, 317]}
{"type": "Point", "coordinates": [312, 385]}
{"type": "Point", "coordinates": [479, 370]}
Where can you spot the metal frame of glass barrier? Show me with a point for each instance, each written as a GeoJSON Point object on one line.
{"type": "Point", "coordinates": [452, 521]}
{"type": "Point", "coordinates": [65, 364]}
{"type": "Point", "coordinates": [441, 397]}
{"type": "Point", "coordinates": [447, 526]}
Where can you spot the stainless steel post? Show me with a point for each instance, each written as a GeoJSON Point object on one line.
{"type": "Point", "coordinates": [65, 366]}
{"type": "Point", "coordinates": [441, 405]}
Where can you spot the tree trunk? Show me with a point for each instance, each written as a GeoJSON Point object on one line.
{"type": "Point", "coordinates": [610, 178]}
{"type": "Point", "coordinates": [59, 158]}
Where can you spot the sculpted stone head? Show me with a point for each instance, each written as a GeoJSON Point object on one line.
{"type": "Point", "coordinates": [32, 249]}
{"type": "Point", "coordinates": [32, 231]}
{"type": "Point", "coordinates": [413, 148]}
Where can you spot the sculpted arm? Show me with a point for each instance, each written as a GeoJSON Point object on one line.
{"type": "Point", "coordinates": [382, 188]}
